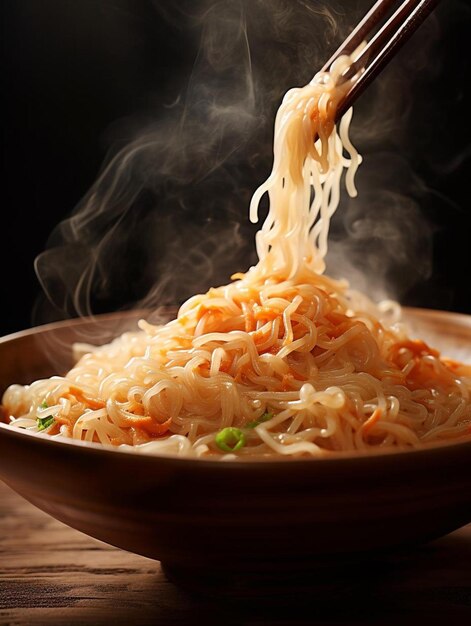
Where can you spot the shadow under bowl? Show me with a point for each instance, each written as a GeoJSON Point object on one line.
{"type": "Point", "coordinates": [251, 518]}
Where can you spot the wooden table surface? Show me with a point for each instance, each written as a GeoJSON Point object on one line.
{"type": "Point", "coordinates": [51, 574]}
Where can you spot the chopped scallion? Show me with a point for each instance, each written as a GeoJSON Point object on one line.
{"type": "Point", "coordinates": [45, 422]}
{"type": "Point", "coordinates": [263, 418]}
{"type": "Point", "coordinates": [230, 439]}
{"type": "Point", "coordinates": [44, 404]}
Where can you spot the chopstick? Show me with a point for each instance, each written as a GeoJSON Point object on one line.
{"type": "Point", "coordinates": [382, 46]}
{"type": "Point", "coordinates": [362, 30]}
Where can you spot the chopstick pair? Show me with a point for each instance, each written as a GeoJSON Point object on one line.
{"type": "Point", "coordinates": [382, 45]}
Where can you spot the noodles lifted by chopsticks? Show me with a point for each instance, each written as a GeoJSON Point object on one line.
{"type": "Point", "coordinates": [282, 361]}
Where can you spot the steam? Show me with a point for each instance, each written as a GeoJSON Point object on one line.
{"type": "Point", "coordinates": [382, 241]}
{"type": "Point", "coordinates": [167, 216]}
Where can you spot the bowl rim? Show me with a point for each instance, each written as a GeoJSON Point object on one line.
{"type": "Point", "coordinates": [462, 320]}
{"type": "Point", "coordinates": [439, 448]}
{"type": "Point", "coordinates": [78, 321]}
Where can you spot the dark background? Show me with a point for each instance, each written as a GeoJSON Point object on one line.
{"type": "Point", "coordinates": [73, 71]}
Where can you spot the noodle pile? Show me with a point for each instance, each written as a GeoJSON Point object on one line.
{"type": "Point", "coordinates": [282, 361]}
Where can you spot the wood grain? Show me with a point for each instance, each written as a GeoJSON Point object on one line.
{"type": "Point", "coordinates": [51, 574]}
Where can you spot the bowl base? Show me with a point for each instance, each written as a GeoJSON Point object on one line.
{"type": "Point", "coordinates": [284, 582]}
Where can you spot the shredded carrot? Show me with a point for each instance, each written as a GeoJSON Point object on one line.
{"type": "Point", "coordinates": [371, 421]}
{"type": "Point", "coordinates": [92, 403]}
{"type": "Point", "coordinates": [203, 367]}
{"type": "Point", "coordinates": [208, 308]}
{"type": "Point", "coordinates": [149, 424]}
{"type": "Point", "coordinates": [262, 313]}
{"type": "Point", "coordinates": [416, 346]}
{"type": "Point", "coordinates": [249, 323]}
{"type": "Point", "coordinates": [137, 409]}
{"type": "Point", "coordinates": [273, 349]}
{"type": "Point", "coordinates": [54, 429]}
{"type": "Point", "coordinates": [60, 419]}
{"type": "Point", "coordinates": [226, 365]}
{"type": "Point", "coordinates": [423, 374]}
{"type": "Point", "coordinates": [249, 318]}
{"type": "Point", "coordinates": [117, 441]}
{"type": "Point", "coordinates": [259, 336]}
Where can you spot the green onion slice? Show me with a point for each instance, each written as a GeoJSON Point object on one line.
{"type": "Point", "coordinates": [44, 404]}
{"type": "Point", "coordinates": [263, 418]}
{"type": "Point", "coordinates": [230, 439]}
{"type": "Point", "coordinates": [45, 422]}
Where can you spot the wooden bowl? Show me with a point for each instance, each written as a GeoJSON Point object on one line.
{"type": "Point", "coordinates": [236, 519]}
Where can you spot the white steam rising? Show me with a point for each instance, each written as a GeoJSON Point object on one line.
{"type": "Point", "coordinates": [167, 216]}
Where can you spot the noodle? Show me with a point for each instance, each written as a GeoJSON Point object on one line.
{"type": "Point", "coordinates": [282, 361]}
